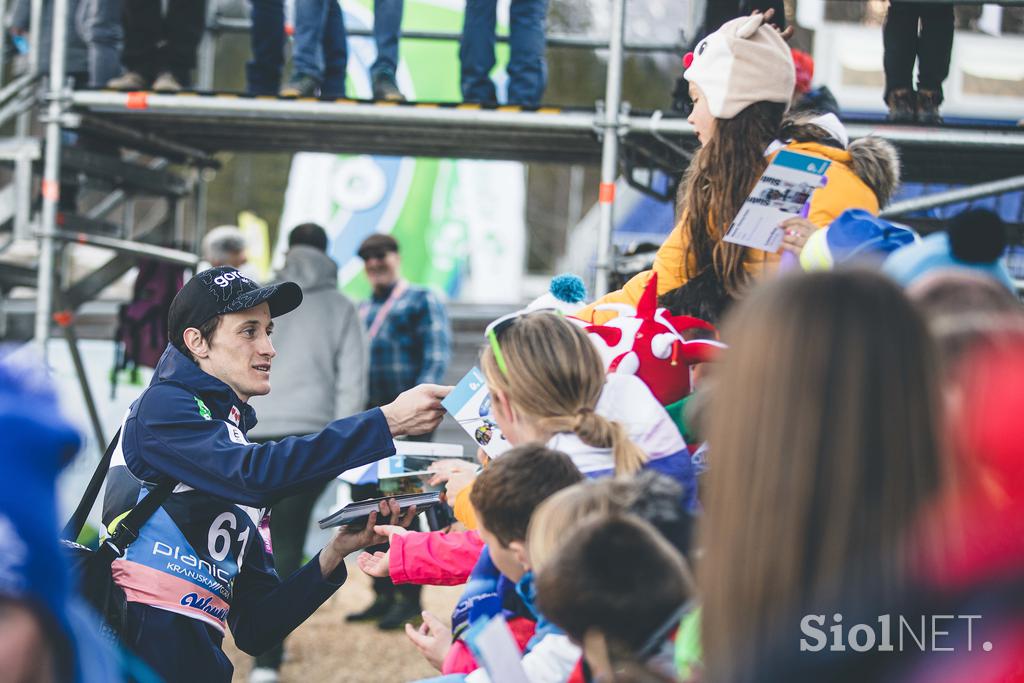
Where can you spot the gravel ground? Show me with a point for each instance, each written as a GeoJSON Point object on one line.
{"type": "Point", "coordinates": [329, 650]}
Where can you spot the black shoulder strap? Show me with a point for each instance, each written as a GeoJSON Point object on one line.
{"type": "Point", "coordinates": [127, 530]}
{"type": "Point", "coordinates": [74, 526]}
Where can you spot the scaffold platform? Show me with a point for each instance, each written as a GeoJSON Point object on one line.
{"type": "Point", "coordinates": [213, 122]}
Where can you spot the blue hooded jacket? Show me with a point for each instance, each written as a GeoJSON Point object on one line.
{"type": "Point", "coordinates": [204, 559]}
{"type": "Point", "coordinates": [37, 442]}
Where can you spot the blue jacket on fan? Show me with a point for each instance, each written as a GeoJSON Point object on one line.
{"type": "Point", "coordinates": [203, 560]}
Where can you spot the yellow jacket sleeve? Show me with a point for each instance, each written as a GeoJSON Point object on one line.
{"type": "Point", "coordinates": [464, 511]}
{"type": "Point", "coordinates": [845, 190]}
{"type": "Point", "coordinates": [668, 264]}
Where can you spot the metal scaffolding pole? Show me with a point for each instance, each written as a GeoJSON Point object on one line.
{"type": "Point", "coordinates": [129, 246]}
{"type": "Point", "coordinates": [3, 53]}
{"type": "Point", "coordinates": [963, 194]}
{"type": "Point", "coordinates": [35, 30]}
{"type": "Point", "coordinates": [207, 50]}
{"type": "Point", "coordinates": [610, 145]}
{"type": "Point", "coordinates": [83, 380]}
{"type": "Point", "coordinates": [51, 175]}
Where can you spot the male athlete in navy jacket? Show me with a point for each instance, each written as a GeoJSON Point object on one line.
{"type": "Point", "coordinates": [204, 560]}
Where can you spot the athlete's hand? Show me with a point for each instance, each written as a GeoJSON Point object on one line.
{"type": "Point", "coordinates": [348, 540]}
{"type": "Point", "coordinates": [416, 411]}
{"type": "Point", "coordinates": [432, 639]}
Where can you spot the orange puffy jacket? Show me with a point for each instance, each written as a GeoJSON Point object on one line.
{"type": "Point", "coordinates": [845, 190]}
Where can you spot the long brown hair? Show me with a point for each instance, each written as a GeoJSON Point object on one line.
{"type": "Point", "coordinates": [721, 175]}
{"type": "Point", "coordinates": [824, 439]}
{"type": "Point", "coordinates": [555, 377]}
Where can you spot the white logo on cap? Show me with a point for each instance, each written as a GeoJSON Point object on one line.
{"type": "Point", "coordinates": [226, 279]}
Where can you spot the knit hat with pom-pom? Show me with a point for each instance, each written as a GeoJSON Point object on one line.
{"type": "Point", "coordinates": [566, 294]}
{"type": "Point", "coordinates": [975, 239]}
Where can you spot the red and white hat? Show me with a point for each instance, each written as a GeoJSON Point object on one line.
{"type": "Point", "coordinates": [743, 62]}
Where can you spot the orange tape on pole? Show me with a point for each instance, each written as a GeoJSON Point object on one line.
{"type": "Point", "coordinates": [606, 195]}
{"type": "Point", "coordinates": [63, 318]}
{"type": "Point", "coordinates": [137, 100]}
{"type": "Point", "coordinates": [51, 190]}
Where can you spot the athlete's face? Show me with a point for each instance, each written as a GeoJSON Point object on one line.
{"type": "Point", "coordinates": [239, 352]}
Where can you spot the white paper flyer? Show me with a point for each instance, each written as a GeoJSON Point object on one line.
{"type": "Point", "coordinates": [781, 193]}
{"type": "Point", "coordinates": [470, 404]}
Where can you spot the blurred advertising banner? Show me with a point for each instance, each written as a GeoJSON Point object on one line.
{"type": "Point", "coordinates": [460, 223]}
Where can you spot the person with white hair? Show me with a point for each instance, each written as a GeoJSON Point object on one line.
{"type": "Point", "coordinates": [224, 246]}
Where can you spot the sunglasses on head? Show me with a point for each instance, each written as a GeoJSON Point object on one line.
{"type": "Point", "coordinates": [498, 327]}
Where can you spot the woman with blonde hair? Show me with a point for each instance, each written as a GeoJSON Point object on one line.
{"type": "Point", "coordinates": [825, 449]}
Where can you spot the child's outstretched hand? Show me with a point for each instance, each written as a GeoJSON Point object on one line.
{"type": "Point", "coordinates": [378, 563]}
{"type": "Point", "coordinates": [443, 470]}
{"type": "Point", "coordinates": [433, 639]}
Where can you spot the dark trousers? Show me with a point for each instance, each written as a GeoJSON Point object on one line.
{"type": "Point", "coordinates": [263, 71]}
{"type": "Point", "coordinates": [527, 69]}
{"type": "Point", "coordinates": [921, 32]}
{"type": "Point", "coordinates": [718, 12]}
{"type": "Point", "coordinates": [384, 587]}
{"type": "Point", "coordinates": [289, 522]}
{"type": "Point", "coordinates": [154, 42]}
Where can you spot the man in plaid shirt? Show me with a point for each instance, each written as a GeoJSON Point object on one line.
{"type": "Point", "coordinates": [410, 343]}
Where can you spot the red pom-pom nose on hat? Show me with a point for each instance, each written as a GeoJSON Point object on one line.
{"type": "Point", "coordinates": [687, 60]}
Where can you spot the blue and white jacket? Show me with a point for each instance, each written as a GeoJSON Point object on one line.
{"type": "Point", "coordinates": [203, 560]}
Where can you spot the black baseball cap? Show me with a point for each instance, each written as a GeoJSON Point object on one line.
{"type": "Point", "coordinates": [223, 290]}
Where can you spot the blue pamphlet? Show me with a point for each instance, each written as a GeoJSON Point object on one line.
{"type": "Point", "coordinates": [470, 404]}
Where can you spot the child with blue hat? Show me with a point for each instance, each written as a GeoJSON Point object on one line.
{"type": "Point", "coordinates": [47, 630]}
{"type": "Point", "coordinates": [976, 240]}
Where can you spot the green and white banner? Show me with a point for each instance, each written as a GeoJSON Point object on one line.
{"type": "Point", "coordinates": [460, 223]}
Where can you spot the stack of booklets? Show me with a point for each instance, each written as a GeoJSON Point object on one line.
{"type": "Point", "coordinates": [356, 514]}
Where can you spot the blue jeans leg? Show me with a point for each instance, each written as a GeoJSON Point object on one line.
{"type": "Point", "coordinates": [476, 53]}
{"type": "Point", "coordinates": [335, 52]}
{"type": "Point", "coordinates": [263, 71]}
{"type": "Point", "coordinates": [527, 68]}
{"type": "Point", "coordinates": [387, 24]}
{"type": "Point", "coordinates": [308, 39]}
{"type": "Point", "coordinates": [99, 24]}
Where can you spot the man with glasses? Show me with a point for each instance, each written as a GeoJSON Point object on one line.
{"type": "Point", "coordinates": [410, 343]}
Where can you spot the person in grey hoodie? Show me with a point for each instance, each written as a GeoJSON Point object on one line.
{"type": "Point", "coordinates": [321, 375]}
